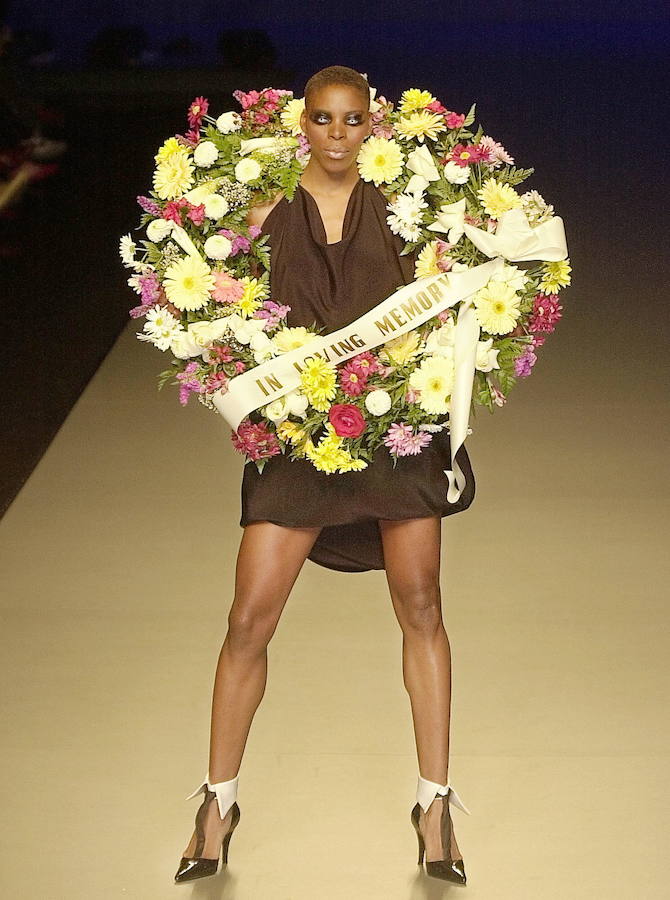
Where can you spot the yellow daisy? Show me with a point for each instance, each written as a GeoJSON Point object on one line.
{"type": "Point", "coordinates": [254, 293]}
{"type": "Point", "coordinates": [291, 338]}
{"type": "Point", "coordinates": [420, 125]}
{"type": "Point", "coordinates": [497, 198]}
{"type": "Point", "coordinates": [188, 283]}
{"type": "Point", "coordinates": [556, 275]}
{"type": "Point", "coordinates": [291, 432]}
{"type": "Point", "coordinates": [434, 379]}
{"type": "Point", "coordinates": [400, 350]}
{"type": "Point", "coordinates": [329, 456]}
{"type": "Point", "coordinates": [497, 307]}
{"type": "Point", "coordinates": [169, 148]}
{"type": "Point", "coordinates": [380, 160]}
{"type": "Point", "coordinates": [426, 262]}
{"type": "Point", "coordinates": [173, 177]}
{"type": "Point", "coordinates": [318, 383]}
{"type": "Point", "coordinates": [414, 99]}
{"type": "Point", "coordinates": [290, 115]}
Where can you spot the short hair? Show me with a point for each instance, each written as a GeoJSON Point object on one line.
{"type": "Point", "coordinates": [338, 75]}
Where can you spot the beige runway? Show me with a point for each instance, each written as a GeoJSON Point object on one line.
{"type": "Point", "coordinates": [118, 563]}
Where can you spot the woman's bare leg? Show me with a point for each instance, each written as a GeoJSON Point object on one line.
{"type": "Point", "coordinates": [412, 561]}
{"type": "Point", "coordinates": [268, 562]}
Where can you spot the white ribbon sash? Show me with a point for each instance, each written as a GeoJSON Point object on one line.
{"type": "Point", "coordinates": [409, 306]}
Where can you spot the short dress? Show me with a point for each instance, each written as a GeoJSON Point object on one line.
{"type": "Point", "coordinates": [332, 285]}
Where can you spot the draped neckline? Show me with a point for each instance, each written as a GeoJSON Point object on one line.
{"type": "Point", "coordinates": [318, 218]}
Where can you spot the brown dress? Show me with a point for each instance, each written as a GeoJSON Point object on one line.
{"type": "Point", "coordinates": [331, 285]}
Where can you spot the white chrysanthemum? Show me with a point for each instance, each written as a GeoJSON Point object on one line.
{"type": "Point", "coordinates": [205, 154]}
{"type": "Point", "coordinates": [515, 277]}
{"type": "Point", "coordinates": [456, 174]}
{"type": "Point", "coordinates": [159, 328]}
{"type": "Point", "coordinates": [247, 170]}
{"type": "Point", "coordinates": [218, 246]}
{"type": "Point", "coordinates": [378, 402]}
{"type": "Point", "coordinates": [216, 206]}
{"type": "Point", "coordinates": [229, 122]}
{"type": "Point", "coordinates": [406, 215]}
{"type": "Point", "coordinates": [158, 230]}
{"type": "Point", "coordinates": [535, 208]}
{"type": "Point", "coordinates": [434, 380]}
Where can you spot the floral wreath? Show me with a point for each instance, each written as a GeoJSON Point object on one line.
{"type": "Point", "coordinates": [203, 274]}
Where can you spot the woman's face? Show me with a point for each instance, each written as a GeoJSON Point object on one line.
{"type": "Point", "coordinates": [336, 123]}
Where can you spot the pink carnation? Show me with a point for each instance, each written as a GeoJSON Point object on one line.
{"type": "Point", "coordinates": [255, 441]}
{"type": "Point", "coordinates": [454, 120]}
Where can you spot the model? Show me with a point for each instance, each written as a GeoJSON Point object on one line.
{"type": "Point", "coordinates": [334, 258]}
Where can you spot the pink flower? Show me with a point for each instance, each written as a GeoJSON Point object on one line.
{"type": "Point", "coordinates": [304, 146]}
{"type": "Point", "coordinates": [246, 100]}
{"type": "Point", "coordinates": [254, 230]}
{"type": "Point", "coordinates": [226, 288]}
{"type": "Point", "coordinates": [192, 137]}
{"type": "Point", "coordinates": [498, 397]}
{"type": "Point", "coordinates": [255, 441]}
{"type": "Point", "coordinates": [238, 241]}
{"type": "Point", "coordinates": [538, 340]}
{"type": "Point", "coordinates": [222, 353]}
{"type": "Point", "coordinates": [402, 441]}
{"type": "Point", "coordinates": [546, 312]}
{"type": "Point", "coordinates": [172, 210]}
{"type": "Point", "coordinates": [454, 120]}
{"type": "Point", "coordinates": [365, 364]}
{"type": "Point", "coordinates": [347, 420]}
{"type": "Point", "coordinates": [437, 107]}
{"type": "Point", "coordinates": [411, 396]}
{"type": "Point", "coordinates": [465, 154]}
{"type": "Point", "coordinates": [149, 206]}
{"type": "Point", "coordinates": [272, 312]}
{"type": "Point", "coordinates": [444, 316]}
{"type": "Point", "coordinates": [196, 111]}
{"type": "Point", "coordinates": [352, 380]}
{"type": "Point", "coordinates": [261, 118]}
{"type": "Point", "coordinates": [197, 214]}
{"type": "Point", "coordinates": [216, 382]}
{"type": "Point", "coordinates": [239, 366]}
{"type": "Point", "coordinates": [189, 385]}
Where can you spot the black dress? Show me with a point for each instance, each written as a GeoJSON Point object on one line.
{"type": "Point", "coordinates": [331, 285]}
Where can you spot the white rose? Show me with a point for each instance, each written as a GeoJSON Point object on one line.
{"type": "Point", "coordinates": [218, 246]}
{"type": "Point", "coordinates": [216, 206]}
{"type": "Point", "coordinates": [378, 402]}
{"type": "Point", "coordinates": [487, 358]}
{"type": "Point", "coordinates": [297, 403]}
{"type": "Point", "coordinates": [262, 347]}
{"type": "Point", "coordinates": [277, 411]}
{"type": "Point", "coordinates": [456, 174]}
{"type": "Point", "coordinates": [247, 329]}
{"type": "Point", "coordinates": [247, 170]}
{"type": "Point", "coordinates": [228, 121]}
{"type": "Point", "coordinates": [158, 229]}
{"type": "Point", "coordinates": [441, 340]}
{"type": "Point", "coordinates": [421, 162]}
{"type": "Point", "coordinates": [450, 220]}
{"type": "Point", "coordinates": [205, 154]}
{"type": "Point", "coordinates": [268, 143]}
{"type": "Point", "coordinates": [183, 346]}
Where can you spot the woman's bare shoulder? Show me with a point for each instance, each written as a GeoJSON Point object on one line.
{"type": "Point", "coordinates": [259, 213]}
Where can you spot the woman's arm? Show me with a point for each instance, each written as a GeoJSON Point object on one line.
{"type": "Point", "coordinates": [259, 213]}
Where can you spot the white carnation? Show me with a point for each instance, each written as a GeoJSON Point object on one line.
{"type": "Point", "coordinates": [205, 154]}
{"type": "Point", "coordinates": [456, 174]}
{"type": "Point", "coordinates": [229, 122]}
{"type": "Point", "coordinates": [218, 246]}
{"type": "Point", "coordinates": [247, 170]}
{"type": "Point", "coordinates": [378, 402]}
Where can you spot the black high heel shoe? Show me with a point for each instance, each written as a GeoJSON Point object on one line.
{"type": "Point", "coordinates": [450, 868]}
{"type": "Point", "coordinates": [198, 866]}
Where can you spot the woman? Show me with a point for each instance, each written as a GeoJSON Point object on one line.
{"type": "Point", "coordinates": [334, 258]}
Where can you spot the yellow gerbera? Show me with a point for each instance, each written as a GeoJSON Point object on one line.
{"type": "Point", "coordinates": [497, 198]}
{"type": "Point", "coordinates": [434, 379]}
{"type": "Point", "coordinates": [291, 338]}
{"type": "Point", "coordinates": [290, 115]}
{"type": "Point", "coordinates": [318, 382]}
{"type": "Point", "coordinates": [173, 177]}
{"type": "Point", "coordinates": [420, 125]}
{"type": "Point", "coordinates": [426, 262]}
{"type": "Point", "coordinates": [400, 350]}
{"type": "Point", "coordinates": [169, 148]}
{"type": "Point", "coordinates": [414, 99]}
{"type": "Point", "coordinates": [254, 293]}
{"type": "Point", "coordinates": [555, 276]}
{"type": "Point", "coordinates": [380, 160]}
{"type": "Point", "coordinates": [188, 282]}
{"type": "Point", "coordinates": [497, 307]}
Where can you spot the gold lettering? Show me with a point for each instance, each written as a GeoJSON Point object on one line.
{"type": "Point", "coordinates": [424, 299]}
{"type": "Point", "coordinates": [398, 318]}
{"type": "Point", "coordinates": [410, 308]}
{"type": "Point", "coordinates": [385, 325]}
{"type": "Point", "coordinates": [273, 383]}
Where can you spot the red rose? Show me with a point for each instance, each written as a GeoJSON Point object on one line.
{"type": "Point", "coordinates": [347, 420]}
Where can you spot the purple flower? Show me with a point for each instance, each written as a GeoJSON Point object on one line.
{"type": "Point", "coordinates": [272, 312]}
{"type": "Point", "coordinates": [524, 363]}
{"type": "Point", "coordinates": [150, 206]}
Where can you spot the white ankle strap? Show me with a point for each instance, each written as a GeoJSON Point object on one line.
{"type": "Point", "coordinates": [426, 790]}
{"type": "Point", "coordinates": [226, 792]}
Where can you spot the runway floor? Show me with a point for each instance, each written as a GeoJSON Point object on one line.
{"type": "Point", "coordinates": [118, 561]}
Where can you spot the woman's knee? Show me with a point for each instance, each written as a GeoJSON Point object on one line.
{"type": "Point", "coordinates": [251, 625]}
{"type": "Point", "coordinates": [418, 604]}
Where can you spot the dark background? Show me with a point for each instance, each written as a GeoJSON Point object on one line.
{"type": "Point", "coordinates": [578, 92]}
